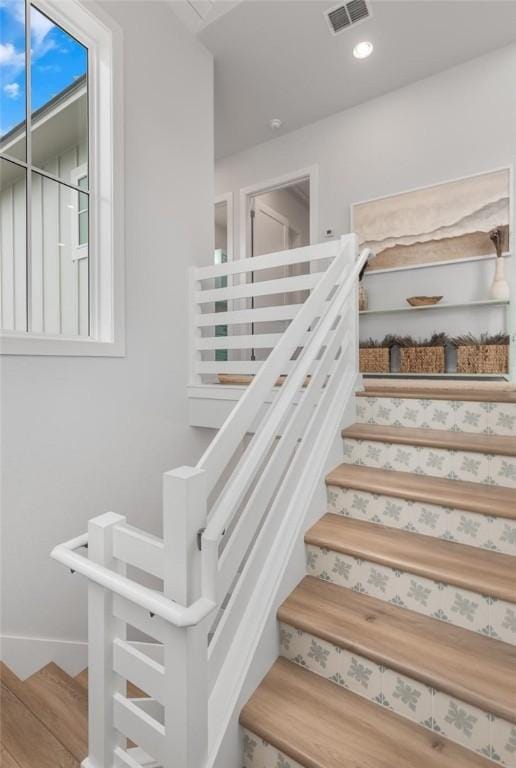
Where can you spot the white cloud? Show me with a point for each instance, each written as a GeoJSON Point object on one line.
{"type": "Point", "coordinates": [12, 90]}
{"type": "Point", "coordinates": [10, 57]}
{"type": "Point", "coordinates": [40, 26]}
{"type": "Point", "coordinates": [15, 7]}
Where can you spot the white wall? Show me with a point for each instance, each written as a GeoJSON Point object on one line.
{"type": "Point", "coordinates": [457, 123]}
{"type": "Point", "coordinates": [82, 436]}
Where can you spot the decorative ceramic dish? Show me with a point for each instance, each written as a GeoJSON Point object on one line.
{"type": "Point", "coordinates": [423, 301]}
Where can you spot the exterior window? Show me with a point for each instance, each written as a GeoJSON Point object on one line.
{"type": "Point", "coordinates": [82, 214]}
{"type": "Point", "coordinates": [55, 277]}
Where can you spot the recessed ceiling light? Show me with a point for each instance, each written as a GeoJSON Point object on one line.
{"type": "Point", "coordinates": [275, 123]}
{"type": "Point", "coordinates": [363, 50]}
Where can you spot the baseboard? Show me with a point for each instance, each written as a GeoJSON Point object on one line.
{"type": "Point", "coordinates": [26, 655]}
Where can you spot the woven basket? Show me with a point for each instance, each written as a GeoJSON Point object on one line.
{"type": "Point", "coordinates": [484, 358]}
{"type": "Point", "coordinates": [422, 360]}
{"type": "Point", "coordinates": [375, 360]}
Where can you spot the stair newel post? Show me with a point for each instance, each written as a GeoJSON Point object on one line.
{"type": "Point", "coordinates": [186, 649]}
{"type": "Point", "coordinates": [103, 629]}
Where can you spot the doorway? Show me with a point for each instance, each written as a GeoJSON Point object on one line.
{"type": "Point", "coordinates": [278, 219]}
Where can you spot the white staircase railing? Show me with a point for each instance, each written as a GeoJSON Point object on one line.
{"type": "Point", "coordinates": [220, 519]}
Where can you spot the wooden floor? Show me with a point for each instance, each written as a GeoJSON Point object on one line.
{"type": "Point", "coordinates": [44, 719]}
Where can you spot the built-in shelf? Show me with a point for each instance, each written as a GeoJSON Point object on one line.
{"type": "Point", "coordinates": [391, 310]}
{"type": "Point", "coordinates": [447, 375]}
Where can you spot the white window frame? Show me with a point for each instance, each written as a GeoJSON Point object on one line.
{"type": "Point", "coordinates": [92, 27]}
{"type": "Point", "coordinates": [80, 250]}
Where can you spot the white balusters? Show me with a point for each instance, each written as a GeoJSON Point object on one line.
{"type": "Point", "coordinates": [260, 484]}
{"type": "Point", "coordinates": [185, 651]}
{"type": "Point", "coordinates": [103, 629]}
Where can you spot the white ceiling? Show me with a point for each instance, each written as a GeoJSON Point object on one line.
{"type": "Point", "coordinates": [277, 58]}
{"type": "Point", "coordinates": [197, 14]}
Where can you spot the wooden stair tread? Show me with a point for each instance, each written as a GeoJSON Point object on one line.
{"type": "Point", "coordinates": [500, 445]}
{"type": "Point", "coordinates": [483, 571]}
{"type": "Point", "coordinates": [464, 664]}
{"type": "Point", "coordinates": [6, 760]}
{"type": "Point", "coordinates": [457, 494]}
{"type": "Point", "coordinates": [479, 395]}
{"type": "Point", "coordinates": [322, 725]}
{"type": "Point", "coordinates": [26, 739]}
{"type": "Point", "coordinates": [58, 701]}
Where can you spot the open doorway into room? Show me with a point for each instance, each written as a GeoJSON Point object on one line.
{"type": "Point", "coordinates": [277, 219]}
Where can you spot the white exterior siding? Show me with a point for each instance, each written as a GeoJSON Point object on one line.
{"type": "Point", "coordinates": [59, 281]}
{"type": "Point", "coordinates": [12, 257]}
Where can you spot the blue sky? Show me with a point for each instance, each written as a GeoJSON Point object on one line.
{"type": "Point", "coordinates": [57, 60]}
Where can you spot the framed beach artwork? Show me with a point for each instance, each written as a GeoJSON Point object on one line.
{"type": "Point", "coordinates": [450, 221]}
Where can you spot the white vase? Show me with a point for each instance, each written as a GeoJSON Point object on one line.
{"type": "Point", "coordinates": [500, 287]}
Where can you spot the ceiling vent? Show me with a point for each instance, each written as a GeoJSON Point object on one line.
{"type": "Point", "coordinates": [347, 15]}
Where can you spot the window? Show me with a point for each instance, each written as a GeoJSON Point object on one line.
{"type": "Point", "coordinates": [59, 264]}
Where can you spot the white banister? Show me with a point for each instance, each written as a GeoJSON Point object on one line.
{"type": "Point", "coordinates": [140, 727]}
{"type": "Point", "coordinates": [140, 669]}
{"type": "Point", "coordinates": [257, 474]}
{"type": "Point", "coordinates": [138, 548]}
{"type": "Point", "coordinates": [103, 629]}
{"type": "Point", "coordinates": [150, 599]}
{"type": "Point", "coordinates": [237, 317]}
{"type": "Point", "coordinates": [246, 410]}
{"type": "Point", "coordinates": [264, 288]}
{"type": "Point", "coordinates": [185, 651]}
{"type": "Point", "coordinates": [307, 253]}
{"type": "Point", "coordinates": [219, 521]}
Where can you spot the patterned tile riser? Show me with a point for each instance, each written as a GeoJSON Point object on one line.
{"type": "Point", "coordinates": [454, 415]}
{"type": "Point", "coordinates": [460, 722]}
{"type": "Point", "coordinates": [434, 462]}
{"type": "Point", "coordinates": [469, 610]}
{"type": "Point", "coordinates": [486, 532]}
{"type": "Point", "coordinates": [260, 754]}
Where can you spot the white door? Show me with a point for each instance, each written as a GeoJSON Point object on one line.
{"type": "Point", "coordinates": [271, 230]}
{"type": "Point", "coordinates": [271, 234]}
